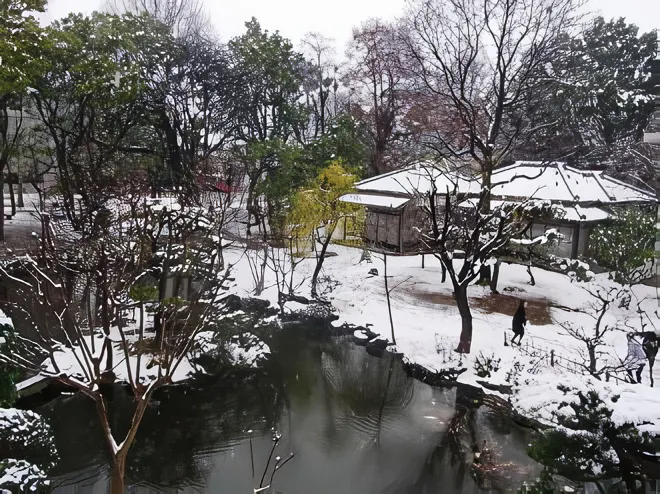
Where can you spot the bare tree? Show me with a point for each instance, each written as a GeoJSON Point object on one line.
{"type": "Point", "coordinates": [376, 79]}
{"type": "Point", "coordinates": [283, 263]}
{"type": "Point", "coordinates": [67, 345]}
{"type": "Point", "coordinates": [388, 291]}
{"type": "Point", "coordinates": [183, 17]}
{"type": "Point", "coordinates": [465, 236]}
{"type": "Point", "coordinates": [592, 337]}
{"type": "Point", "coordinates": [323, 77]}
{"type": "Point", "coordinates": [483, 62]}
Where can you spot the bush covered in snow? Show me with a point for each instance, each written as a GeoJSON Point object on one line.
{"type": "Point", "coordinates": [27, 444]}
{"type": "Point", "coordinates": [626, 245]}
{"type": "Point", "coordinates": [587, 444]}
{"type": "Point", "coordinates": [226, 343]}
{"type": "Point", "coordinates": [8, 374]}
{"type": "Point", "coordinates": [575, 269]}
{"type": "Point", "coordinates": [27, 448]}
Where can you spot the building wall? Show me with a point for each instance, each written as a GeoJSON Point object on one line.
{"type": "Point", "coordinates": [414, 222]}
{"type": "Point", "coordinates": [382, 227]}
{"type": "Point", "coordinates": [583, 244]}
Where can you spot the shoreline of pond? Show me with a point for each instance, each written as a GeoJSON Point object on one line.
{"type": "Point", "coordinates": [319, 317]}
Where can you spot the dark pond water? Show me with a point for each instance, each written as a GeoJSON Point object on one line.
{"type": "Point", "coordinates": [356, 424]}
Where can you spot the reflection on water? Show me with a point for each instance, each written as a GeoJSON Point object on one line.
{"type": "Point", "coordinates": [357, 424]}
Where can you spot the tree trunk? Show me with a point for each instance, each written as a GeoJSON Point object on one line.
{"type": "Point", "coordinates": [20, 200]}
{"type": "Point", "coordinates": [12, 198]}
{"type": "Point", "coordinates": [532, 281]}
{"type": "Point", "coordinates": [320, 258]}
{"type": "Point", "coordinates": [465, 343]}
{"type": "Point", "coordinates": [592, 360]}
{"type": "Point", "coordinates": [42, 204]}
{"type": "Point", "coordinates": [484, 276]}
{"type": "Point", "coordinates": [117, 477]}
{"type": "Point", "coordinates": [495, 277]}
{"type": "Point", "coordinates": [651, 362]}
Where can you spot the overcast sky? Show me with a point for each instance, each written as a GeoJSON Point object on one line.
{"type": "Point", "coordinates": [294, 18]}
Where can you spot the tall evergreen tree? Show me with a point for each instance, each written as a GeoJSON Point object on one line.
{"type": "Point", "coordinates": [599, 93]}
{"type": "Point", "coordinates": [21, 62]}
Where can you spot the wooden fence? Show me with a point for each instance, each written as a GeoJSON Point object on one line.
{"type": "Point", "coordinates": [549, 357]}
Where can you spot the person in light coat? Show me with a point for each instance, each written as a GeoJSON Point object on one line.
{"type": "Point", "coordinates": [636, 358]}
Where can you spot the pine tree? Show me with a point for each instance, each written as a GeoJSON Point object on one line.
{"type": "Point", "coordinates": [588, 444]}
{"type": "Point", "coordinates": [600, 92]}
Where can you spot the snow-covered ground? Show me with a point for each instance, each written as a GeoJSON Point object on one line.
{"type": "Point", "coordinates": [427, 325]}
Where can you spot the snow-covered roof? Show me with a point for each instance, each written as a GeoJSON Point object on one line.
{"type": "Point", "coordinates": [418, 179]}
{"type": "Point", "coordinates": [31, 381]}
{"type": "Point", "coordinates": [554, 181]}
{"type": "Point", "coordinates": [380, 201]}
{"type": "Point", "coordinates": [558, 182]}
{"type": "Point", "coordinates": [573, 212]}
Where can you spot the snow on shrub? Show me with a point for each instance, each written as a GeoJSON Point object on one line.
{"type": "Point", "coordinates": [27, 444]}
{"type": "Point", "coordinates": [587, 444]}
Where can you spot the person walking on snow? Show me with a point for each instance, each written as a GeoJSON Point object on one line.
{"type": "Point", "coordinates": [519, 322]}
{"type": "Point", "coordinates": [649, 344]}
{"type": "Point", "coordinates": [636, 358]}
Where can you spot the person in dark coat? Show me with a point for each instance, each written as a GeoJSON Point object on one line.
{"type": "Point", "coordinates": [519, 323]}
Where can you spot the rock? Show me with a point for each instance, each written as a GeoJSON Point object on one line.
{"type": "Point", "coordinates": [234, 303]}
{"type": "Point", "coordinates": [362, 336]}
{"type": "Point", "coordinates": [512, 289]}
{"type": "Point", "coordinates": [373, 272]}
{"type": "Point", "coordinates": [377, 346]}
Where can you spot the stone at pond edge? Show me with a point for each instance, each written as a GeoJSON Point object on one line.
{"type": "Point", "coordinates": [377, 347]}
{"type": "Point", "coordinates": [234, 303]}
{"type": "Point", "coordinates": [362, 336]}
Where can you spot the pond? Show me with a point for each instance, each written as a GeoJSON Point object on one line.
{"type": "Point", "coordinates": [355, 423]}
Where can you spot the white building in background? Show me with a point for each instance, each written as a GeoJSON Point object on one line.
{"type": "Point", "coordinates": [580, 199]}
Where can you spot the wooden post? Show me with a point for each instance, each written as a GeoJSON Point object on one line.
{"type": "Point", "coordinates": [422, 261]}
{"type": "Point", "coordinates": [401, 232]}
{"type": "Point", "coordinates": [552, 358]}
{"type": "Point", "coordinates": [576, 242]}
{"type": "Point", "coordinates": [387, 293]}
{"type": "Point", "coordinates": [20, 202]}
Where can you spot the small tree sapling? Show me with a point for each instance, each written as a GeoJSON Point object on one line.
{"type": "Point", "coordinates": [316, 211]}
{"type": "Point", "coordinates": [603, 298]}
